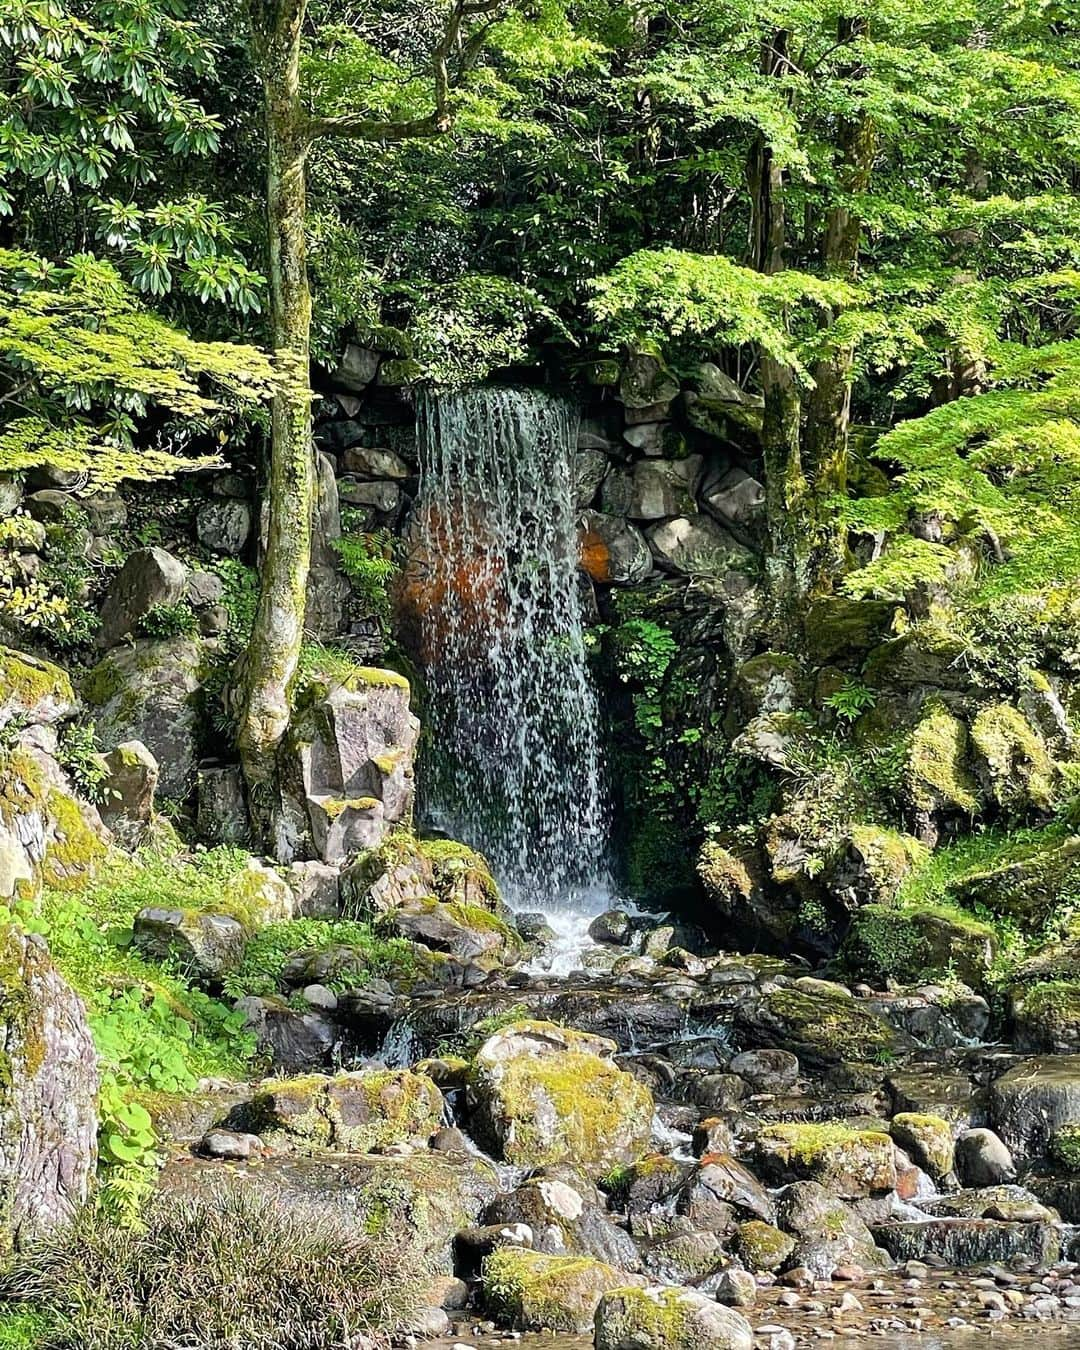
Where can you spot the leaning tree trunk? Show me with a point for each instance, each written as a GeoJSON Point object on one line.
{"type": "Point", "coordinates": [279, 624]}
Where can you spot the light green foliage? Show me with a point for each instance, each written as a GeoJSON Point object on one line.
{"type": "Point", "coordinates": [79, 755]}
{"type": "Point", "coordinates": [1065, 1147]}
{"type": "Point", "coordinates": [24, 1328]}
{"type": "Point", "coordinates": [368, 561]}
{"type": "Point", "coordinates": [364, 955]}
{"type": "Point", "coordinates": [169, 621]}
{"type": "Point", "coordinates": [851, 700]}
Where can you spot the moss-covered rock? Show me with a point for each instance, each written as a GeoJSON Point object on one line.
{"type": "Point", "coordinates": [33, 691]}
{"type": "Point", "coordinates": [531, 1291]}
{"type": "Point", "coordinates": [838, 626]}
{"type": "Point", "coordinates": [761, 1247]}
{"type": "Point", "coordinates": [1046, 1017]}
{"type": "Point", "coordinates": [1033, 1101]}
{"type": "Point", "coordinates": [207, 946]}
{"type": "Point", "coordinates": [542, 1094]}
{"type": "Point", "coordinates": [847, 1162]}
{"type": "Point", "coordinates": [822, 1025]}
{"type": "Point", "coordinates": [927, 1140]}
{"type": "Point", "coordinates": [1012, 760]}
{"type": "Point", "coordinates": [885, 942]}
{"type": "Point", "coordinates": [938, 777]}
{"type": "Point", "coordinates": [350, 1112]}
{"type": "Point", "coordinates": [47, 836]}
{"type": "Point", "coordinates": [463, 930]}
{"type": "Point", "coordinates": [1030, 886]}
{"type": "Point", "coordinates": [668, 1319]}
{"type": "Point", "coordinates": [870, 863]}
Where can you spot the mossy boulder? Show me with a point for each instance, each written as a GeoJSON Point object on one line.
{"type": "Point", "coordinates": [1046, 1017]}
{"type": "Point", "coordinates": [541, 1094]}
{"type": "Point", "coordinates": [1033, 1101]}
{"type": "Point", "coordinates": [849, 1163]}
{"type": "Point", "coordinates": [827, 1233]}
{"type": "Point", "coordinates": [463, 930]}
{"type": "Point", "coordinates": [350, 1112]}
{"type": "Point", "coordinates": [48, 1094]}
{"type": "Point", "coordinates": [885, 942]}
{"type": "Point", "coordinates": [668, 1319]}
{"type": "Point", "coordinates": [930, 654]}
{"type": "Point", "coordinates": [207, 946]}
{"type": "Point", "coordinates": [927, 1140]}
{"type": "Point", "coordinates": [870, 863]}
{"type": "Point", "coordinates": [47, 836]}
{"type": "Point", "coordinates": [1012, 760]}
{"type": "Point", "coordinates": [565, 1218]}
{"type": "Point", "coordinates": [532, 1291]}
{"type": "Point", "coordinates": [148, 692]}
{"type": "Point", "coordinates": [404, 869]}
{"type": "Point", "coordinates": [938, 776]}
{"type": "Point", "coordinates": [761, 1247]}
{"type": "Point", "coordinates": [838, 626]}
{"type": "Point", "coordinates": [646, 379]}
{"type": "Point", "coordinates": [34, 691]}
{"type": "Point", "coordinates": [1029, 887]}
{"type": "Point", "coordinates": [820, 1023]}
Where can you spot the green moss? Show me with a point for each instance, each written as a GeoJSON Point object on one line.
{"type": "Point", "coordinates": [761, 1246]}
{"type": "Point", "coordinates": [1019, 767]}
{"type": "Point", "coordinates": [888, 942]}
{"type": "Point", "coordinates": [887, 854]}
{"type": "Point", "coordinates": [28, 681]}
{"type": "Point", "coordinates": [1065, 1147]}
{"type": "Point", "coordinates": [337, 806]}
{"type": "Point", "coordinates": [927, 1139]}
{"type": "Point", "coordinates": [73, 849]}
{"type": "Point", "coordinates": [354, 1112]}
{"type": "Point", "coordinates": [937, 775]}
{"type": "Point", "coordinates": [836, 1027]}
{"type": "Point", "coordinates": [839, 626]}
{"type": "Point", "coordinates": [531, 1291]}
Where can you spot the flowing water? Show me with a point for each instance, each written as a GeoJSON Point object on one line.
{"type": "Point", "coordinates": [518, 771]}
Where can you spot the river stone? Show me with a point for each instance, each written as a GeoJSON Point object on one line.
{"type": "Point", "coordinates": [720, 1182]}
{"type": "Point", "coordinates": [761, 1247]}
{"type": "Point", "coordinates": [1030, 1103]}
{"type": "Point", "coordinates": [564, 1221]}
{"type": "Point", "coordinates": [970, 1242]}
{"type": "Point", "coordinates": [614, 926]}
{"type": "Point", "coordinates": [668, 1319]}
{"type": "Point", "coordinates": [613, 552]}
{"type": "Point", "coordinates": [532, 1291]}
{"type": "Point", "coordinates": [150, 577]}
{"type": "Point", "coordinates": [928, 1140]}
{"type": "Point", "coordinates": [48, 1094]}
{"type": "Point", "coordinates": [983, 1160]}
{"type": "Point", "coordinates": [414, 1204]}
{"type": "Point", "coordinates": [207, 945]}
{"type": "Point", "coordinates": [147, 692]}
{"type": "Point", "coordinates": [767, 1070]}
{"type": "Point", "coordinates": [541, 1094]}
{"type": "Point", "coordinates": [224, 526]}
{"type": "Point", "coordinates": [465, 931]}
{"type": "Point", "coordinates": [848, 1163]}
{"type": "Point", "coordinates": [819, 1023]}
{"type": "Point", "coordinates": [692, 546]}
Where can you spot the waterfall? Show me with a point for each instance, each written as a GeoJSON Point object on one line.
{"type": "Point", "coordinates": [515, 767]}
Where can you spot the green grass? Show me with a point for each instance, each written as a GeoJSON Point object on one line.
{"type": "Point", "coordinates": [369, 956]}
{"type": "Point", "coordinates": [24, 1329]}
{"type": "Point", "coordinates": [975, 853]}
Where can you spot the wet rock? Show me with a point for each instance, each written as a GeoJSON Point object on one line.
{"type": "Point", "coordinates": [206, 945]}
{"type": "Point", "coordinates": [827, 1234]}
{"type": "Point", "coordinates": [564, 1220]}
{"type": "Point", "coordinates": [465, 931]}
{"type": "Point", "coordinates": [1031, 1102]}
{"type": "Point", "coordinates": [472, 1246]}
{"type": "Point", "coordinates": [357, 369]}
{"type": "Point", "coordinates": [737, 1288]}
{"type": "Point", "coordinates": [935, 1093]}
{"type": "Point", "coordinates": [224, 526]}
{"type": "Point", "coordinates": [645, 379]}
{"type": "Point", "coordinates": [982, 1159]}
{"type": "Point", "coordinates": [849, 1163]}
{"type": "Point", "coordinates": [148, 692]}
{"type": "Point", "coordinates": [614, 926]}
{"type": "Point", "coordinates": [48, 1094]}
{"type": "Point", "coordinates": [150, 577]}
{"type": "Point", "coordinates": [612, 551]}
{"type": "Point", "coordinates": [531, 1291]}
{"type": "Point", "coordinates": [718, 1185]}
{"type": "Point", "coordinates": [767, 1070]}
{"type": "Point", "coordinates": [542, 1094]}
{"type": "Point", "coordinates": [668, 1319]}
{"type": "Point", "coordinates": [927, 1139]}
{"type": "Point", "coordinates": [290, 1039]}
{"type": "Point", "coordinates": [970, 1242]}
{"type": "Point", "coordinates": [821, 1026]}
{"type": "Point", "coordinates": [648, 1183]}
{"type": "Point", "coordinates": [761, 1247]}
{"type": "Point", "coordinates": [229, 1145]}
{"type": "Point", "coordinates": [659, 488]}
{"type": "Point", "coordinates": [713, 1091]}
{"type": "Point", "coordinates": [590, 469]}
{"type": "Point", "coordinates": [713, 1135]}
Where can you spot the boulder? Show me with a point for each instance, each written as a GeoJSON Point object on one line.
{"type": "Point", "coordinates": [33, 692]}
{"type": "Point", "coordinates": [374, 462]}
{"type": "Point", "coordinates": [848, 1163]}
{"type": "Point", "coordinates": [827, 1233]}
{"type": "Point", "coordinates": [129, 789]}
{"type": "Point", "coordinates": [357, 369]}
{"type": "Point", "coordinates": [646, 380]}
{"type": "Point", "coordinates": [719, 1186]}
{"type": "Point", "coordinates": [590, 468]}
{"type": "Point", "coordinates": [1012, 762]}
{"type": "Point", "coordinates": [761, 1247]}
{"type": "Point", "coordinates": [613, 552]}
{"type": "Point", "coordinates": [767, 1070]}
{"type": "Point", "coordinates": [928, 1141]}
{"type": "Point", "coordinates": [982, 1159]}
{"type": "Point", "coordinates": [206, 945]}
{"type": "Point", "coordinates": [736, 499]}
{"type": "Point", "coordinates": [147, 692]}
{"type": "Point", "coordinates": [614, 926]}
{"type": "Point", "coordinates": [693, 546]}
{"type": "Point", "coordinates": [316, 890]}
{"type": "Point", "coordinates": [288, 1038]}
{"type": "Point", "coordinates": [221, 812]}
{"type": "Point", "coordinates": [465, 931]}
{"type": "Point", "coordinates": [358, 1112]}
{"type": "Point", "coordinates": [541, 1094]}
{"type": "Point", "coordinates": [970, 1242]}
{"type": "Point", "coordinates": [658, 488]}
{"type": "Point", "coordinates": [531, 1291]}
{"type": "Point", "coordinates": [1030, 1103]}
{"type": "Point", "coordinates": [47, 835]}
{"type": "Point", "coordinates": [564, 1219]}
{"type": "Point", "coordinates": [150, 577]}
{"type": "Point", "coordinates": [822, 1026]}
{"type": "Point", "coordinates": [224, 526]}
{"type": "Point", "coordinates": [668, 1319]}
{"type": "Point", "coordinates": [347, 765]}
{"type": "Point", "coordinates": [48, 1094]}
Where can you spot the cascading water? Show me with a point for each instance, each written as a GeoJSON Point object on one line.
{"type": "Point", "coordinates": [516, 768]}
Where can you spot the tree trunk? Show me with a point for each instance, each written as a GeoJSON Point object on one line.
{"type": "Point", "coordinates": [829, 411]}
{"type": "Point", "coordinates": [785, 485]}
{"type": "Point", "coordinates": [279, 623]}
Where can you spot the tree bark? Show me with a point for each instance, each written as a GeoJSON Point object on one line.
{"type": "Point", "coordinates": [278, 632]}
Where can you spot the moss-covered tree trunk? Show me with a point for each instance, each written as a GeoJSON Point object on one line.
{"type": "Point", "coordinates": [279, 623]}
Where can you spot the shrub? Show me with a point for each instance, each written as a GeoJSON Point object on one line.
{"type": "Point", "coordinates": [235, 1272]}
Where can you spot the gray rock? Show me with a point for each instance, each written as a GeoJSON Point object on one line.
{"type": "Point", "coordinates": [384, 497]}
{"type": "Point", "coordinates": [590, 470]}
{"type": "Point", "coordinates": [737, 1288]}
{"type": "Point", "coordinates": [983, 1160]}
{"type": "Point", "coordinates": [767, 1070]}
{"type": "Point", "coordinates": [106, 512]}
{"type": "Point", "coordinates": [146, 692]}
{"type": "Point", "coordinates": [970, 1242]}
{"type": "Point", "coordinates": [1030, 1103]}
{"type": "Point", "coordinates": [564, 1219]}
{"type": "Point", "coordinates": [320, 998]}
{"type": "Point", "coordinates": [735, 498]}
{"type": "Point", "coordinates": [224, 526]}
{"type": "Point", "coordinates": [209, 945]}
{"type": "Point", "coordinates": [204, 589]}
{"type": "Point", "coordinates": [317, 890]}
{"type": "Point", "coordinates": [326, 519]}
{"type": "Point", "coordinates": [149, 578]}
{"type": "Point", "coordinates": [613, 552]}
{"type": "Point", "coordinates": [614, 926]}
{"type": "Point", "coordinates": [52, 505]}
{"type": "Point", "coordinates": [48, 1094]}
{"type": "Point", "coordinates": [374, 462]}
{"type": "Point", "coordinates": [697, 546]}
{"type": "Point", "coordinates": [646, 380]}
{"type": "Point", "coordinates": [668, 1319]}
{"type": "Point", "coordinates": [719, 1180]}
{"type": "Point", "coordinates": [231, 485]}
{"type": "Point", "coordinates": [130, 786]}
{"type": "Point", "coordinates": [292, 1040]}
{"type": "Point", "coordinates": [326, 614]}
{"type": "Point", "coordinates": [664, 487]}
{"type": "Point", "coordinates": [357, 369]}
{"type": "Point", "coordinates": [229, 1145]}
{"type": "Point", "coordinates": [222, 816]}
